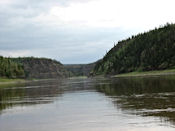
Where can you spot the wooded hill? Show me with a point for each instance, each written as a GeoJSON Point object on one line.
{"type": "Point", "coordinates": [80, 69]}
{"type": "Point", "coordinates": [153, 50]}
{"type": "Point", "coordinates": [11, 69]}
{"type": "Point", "coordinates": [30, 67]}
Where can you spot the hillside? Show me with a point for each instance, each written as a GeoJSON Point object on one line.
{"type": "Point", "coordinates": [80, 69]}
{"type": "Point", "coordinates": [42, 68]}
{"type": "Point", "coordinates": [30, 67]}
{"type": "Point", "coordinates": [153, 50]}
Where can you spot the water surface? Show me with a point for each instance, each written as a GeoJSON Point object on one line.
{"type": "Point", "coordinates": [103, 104]}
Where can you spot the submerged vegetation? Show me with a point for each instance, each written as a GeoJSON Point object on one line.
{"type": "Point", "coordinates": [153, 50]}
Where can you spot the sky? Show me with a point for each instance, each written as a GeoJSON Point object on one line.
{"type": "Point", "coordinates": [76, 31]}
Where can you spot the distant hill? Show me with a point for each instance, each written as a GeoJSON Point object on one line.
{"type": "Point", "coordinates": [42, 68]}
{"type": "Point", "coordinates": [153, 50]}
{"type": "Point", "coordinates": [30, 67]}
{"type": "Point", "coordinates": [80, 69]}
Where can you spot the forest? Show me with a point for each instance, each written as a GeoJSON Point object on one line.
{"type": "Point", "coordinates": [152, 50]}
{"type": "Point", "coordinates": [31, 67]}
{"type": "Point", "coordinates": [11, 69]}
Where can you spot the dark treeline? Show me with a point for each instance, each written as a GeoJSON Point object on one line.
{"type": "Point", "coordinates": [153, 50]}
{"type": "Point", "coordinates": [11, 69]}
{"type": "Point", "coordinates": [80, 69]}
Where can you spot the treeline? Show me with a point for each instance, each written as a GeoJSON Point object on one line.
{"type": "Point", "coordinates": [11, 69]}
{"type": "Point", "coordinates": [42, 68]}
{"type": "Point", "coordinates": [31, 67]}
{"type": "Point", "coordinates": [153, 50]}
{"type": "Point", "coordinates": [80, 69]}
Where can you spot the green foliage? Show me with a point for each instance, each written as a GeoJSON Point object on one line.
{"type": "Point", "coordinates": [153, 50]}
{"type": "Point", "coordinates": [41, 68]}
{"type": "Point", "coordinates": [31, 67]}
{"type": "Point", "coordinates": [80, 69]}
{"type": "Point", "coordinates": [10, 69]}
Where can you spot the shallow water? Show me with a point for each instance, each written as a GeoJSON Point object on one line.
{"type": "Point", "coordinates": [103, 104]}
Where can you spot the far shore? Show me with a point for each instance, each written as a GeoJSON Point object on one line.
{"type": "Point", "coordinates": [130, 74]}
{"type": "Point", "coordinates": [6, 81]}
{"type": "Point", "coordinates": [11, 81]}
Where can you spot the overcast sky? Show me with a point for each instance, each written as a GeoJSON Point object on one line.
{"type": "Point", "coordinates": [76, 31]}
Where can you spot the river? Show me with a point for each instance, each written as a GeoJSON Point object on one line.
{"type": "Point", "coordinates": [91, 104]}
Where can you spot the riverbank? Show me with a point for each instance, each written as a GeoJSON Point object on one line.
{"type": "Point", "coordinates": [11, 81]}
{"type": "Point", "coordinates": [130, 74]}
{"type": "Point", "coordinates": [7, 81]}
{"type": "Point", "coordinates": [4, 81]}
{"type": "Point", "coordinates": [147, 73]}
{"type": "Point", "coordinates": [78, 77]}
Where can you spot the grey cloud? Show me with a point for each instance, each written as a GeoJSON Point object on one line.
{"type": "Point", "coordinates": [20, 12]}
{"type": "Point", "coordinates": [18, 33]}
{"type": "Point", "coordinates": [68, 46]}
{"type": "Point", "coordinates": [44, 4]}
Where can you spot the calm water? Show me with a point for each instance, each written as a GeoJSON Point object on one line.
{"type": "Point", "coordinates": [120, 104]}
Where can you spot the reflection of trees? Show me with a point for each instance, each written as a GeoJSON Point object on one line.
{"type": "Point", "coordinates": [78, 84]}
{"type": "Point", "coordinates": [39, 92]}
{"type": "Point", "coordinates": [7, 95]}
{"type": "Point", "coordinates": [143, 96]}
{"type": "Point", "coordinates": [29, 94]}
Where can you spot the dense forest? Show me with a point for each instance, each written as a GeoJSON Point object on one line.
{"type": "Point", "coordinates": [11, 69]}
{"type": "Point", "coordinates": [30, 67]}
{"type": "Point", "coordinates": [153, 50]}
{"type": "Point", "coordinates": [42, 68]}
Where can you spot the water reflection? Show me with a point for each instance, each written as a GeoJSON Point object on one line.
{"type": "Point", "coordinates": [40, 92]}
{"type": "Point", "coordinates": [6, 96]}
{"type": "Point", "coordinates": [153, 96]}
{"type": "Point", "coordinates": [103, 104]}
{"type": "Point", "coordinates": [25, 94]}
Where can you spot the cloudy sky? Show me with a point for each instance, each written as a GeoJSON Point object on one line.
{"type": "Point", "coordinates": [76, 31]}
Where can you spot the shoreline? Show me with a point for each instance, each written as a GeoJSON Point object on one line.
{"type": "Point", "coordinates": [11, 81]}
{"type": "Point", "coordinates": [5, 81]}
{"type": "Point", "coordinates": [146, 73]}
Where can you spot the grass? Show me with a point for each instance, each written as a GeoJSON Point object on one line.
{"type": "Point", "coordinates": [147, 73]}
{"type": "Point", "coordinates": [78, 77]}
{"type": "Point", "coordinates": [8, 80]}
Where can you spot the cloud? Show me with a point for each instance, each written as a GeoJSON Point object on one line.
{"type": "Point", "coordinates": [100, 13]}
{"type": "Point", "coordinates": [15, 53]}
{"type": "Point", "coordinates": [77, 31]}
